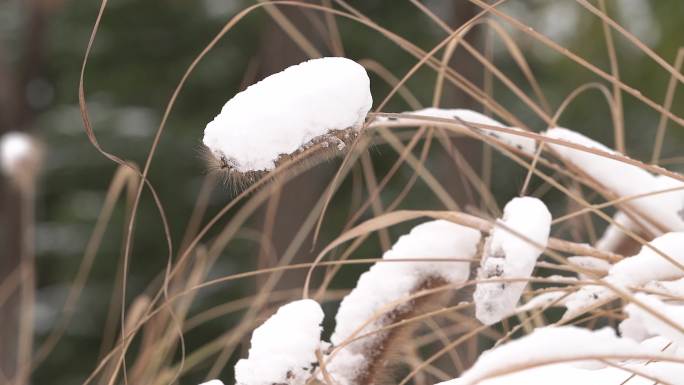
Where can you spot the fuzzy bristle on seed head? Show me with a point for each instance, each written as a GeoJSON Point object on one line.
{"type": "Point", "coordinates": [320, 103]}
{"type": "Point", "coordinates": [321, 148]}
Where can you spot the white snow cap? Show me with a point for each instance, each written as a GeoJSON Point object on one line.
{"type": "Point", "coordinates": [283, 349]}
{"type": "Point", "coordinates": [16, 148]}
{"type": "Point", "coordinates": [549, 344]}
{"type": "Point", "coordinates": [287, 110]}
{"type": "Point", "coordinates": [507, 255]}
{"type": "Point", "coordinates": [635, 271]}
{"type": "Point", "coordinates": [625, 180]}
{"type": "Point", "coordinates": [388, 282]}
{"type": "Point", "coordinates": [523, 143]}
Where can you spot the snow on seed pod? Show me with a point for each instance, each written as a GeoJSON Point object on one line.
{"type": "Point", "coordinates": [315, 107]}
{"type": "Point", "coordinates": [383, 298]}
{"type": "Point", "coordinates": [283, 349]}
{"type": "Point", "coordinates": [510, 255]}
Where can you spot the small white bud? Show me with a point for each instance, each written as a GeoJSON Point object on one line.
{"type": "Point", "coordinates": [19, 157]}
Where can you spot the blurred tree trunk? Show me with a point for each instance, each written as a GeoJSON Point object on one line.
{"type": "Point", "coordinates": [10, 227]}
{"type": "Point", "coordinates": [286, 212]}
{"type": "Point", "coordinates": [462, 62]}
{"type": "Point", "coordinates": [10, 251]}
{"type": "Point", "coordinates": [458, 12]}
{"type": "Point", "coordinates": [16, 114]}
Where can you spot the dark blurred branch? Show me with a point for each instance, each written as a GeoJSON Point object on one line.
{"type": "Point", "coordinates": [16, 114]}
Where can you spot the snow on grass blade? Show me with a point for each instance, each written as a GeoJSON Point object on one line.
{"type": "Point", "coordinates": [566, 374]}
{"type": "Point", "coordinates": [635, 271]}
{"type": "Point", "coordinates": [648, 265]}
{"type": "Point", "coordinates": [552, 345]}
{"type": "Point", "coordinates": [599, 267]}
{"type": "Point", "coordinates": [283, 349]}
{"type": "Point", "coordinates": [653, 325]}
{"type": "Point", "coordinates": [546, 299]}
{"type": "Point", "coordinates": [381, 297]}
{"type": "Point", "coordinates": [672, 288]}
{"type": "Point", "coordinates": [320, 101]}
{"type": "Point", "coordinates": [614, 239]}
{"type": "Point", "coordinates": [522, 143]}
{"type": "Point", "coordinates": [625, 180]}
{"type": "Point", "coordinates": [508, 255]}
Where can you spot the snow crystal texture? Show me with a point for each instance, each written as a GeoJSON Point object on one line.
{"type": "Point", "coordinates": [283, 349]}
{"type": "Point", "coordinates": [287, 110]}
{"type": "Point", "coordinates": [508, 255]}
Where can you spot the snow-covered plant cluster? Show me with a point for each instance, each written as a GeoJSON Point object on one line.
{"type": "Point", "coordinates": [453, 206]}
{"type": "Point", "coordinates": [437, 261]}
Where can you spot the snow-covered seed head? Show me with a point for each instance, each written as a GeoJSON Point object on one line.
{"type": "Point", "coordinates": [382, 297]}
{"type": "Point", "coordinates": [509, 255]}
{"type": "Point", "coordinates": [20, 157]}
{"type": "Point", "coordinates": [283, 349]}
{"type": "Point", "coordinates": [316, 106]}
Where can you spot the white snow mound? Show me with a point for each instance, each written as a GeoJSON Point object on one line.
{"type": "Point", "coordinates": [508, 255]}
{"type": "Point", "coordinates": [286, 110]}
{"type": "Point", "coordinates": [283, 349]}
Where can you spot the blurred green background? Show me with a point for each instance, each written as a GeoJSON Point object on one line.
{"type": "Point", "coordinates": [140, 54]}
